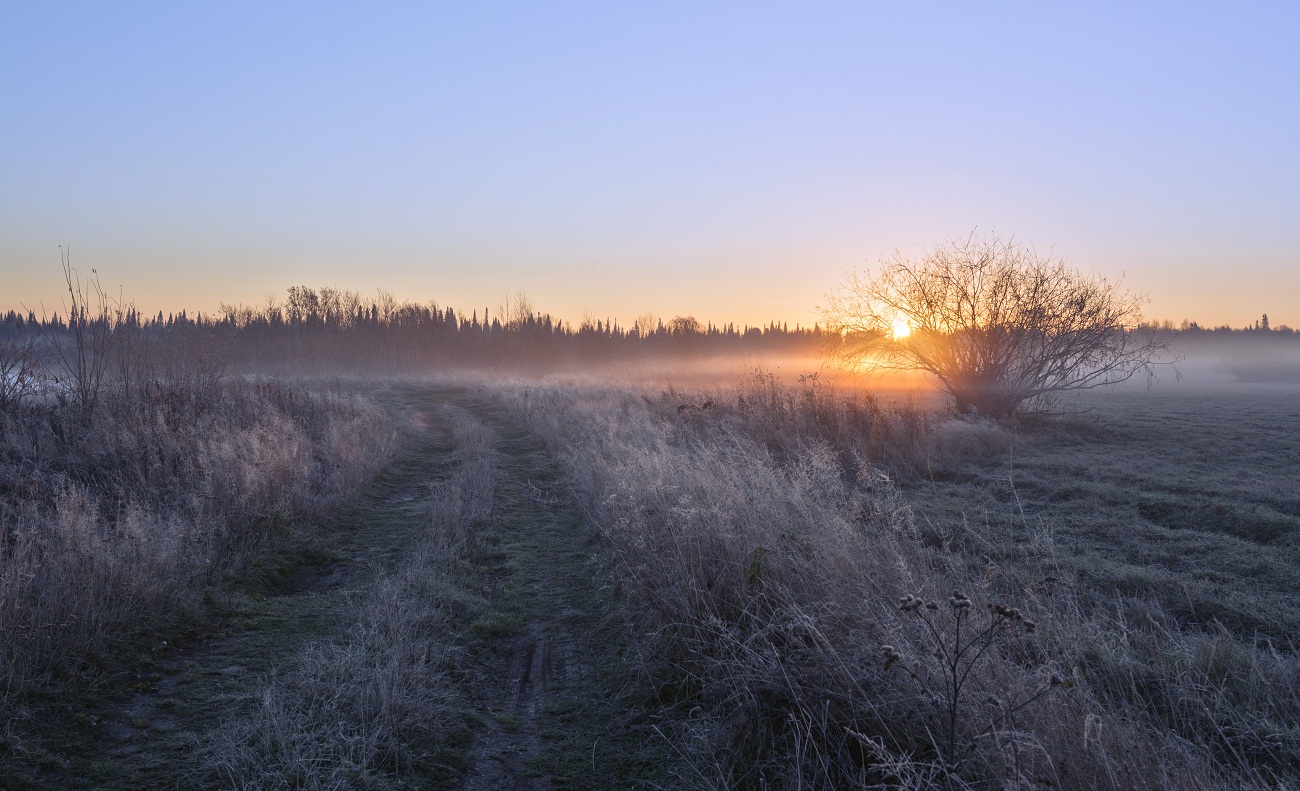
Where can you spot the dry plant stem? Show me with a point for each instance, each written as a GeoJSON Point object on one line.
{"type": "Point", "coordinates": [959, 655]}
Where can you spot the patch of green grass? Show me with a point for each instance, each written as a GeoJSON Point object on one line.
{"type": "Point", "coordinates": [509, 722]}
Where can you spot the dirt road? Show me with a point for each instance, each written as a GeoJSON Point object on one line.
{"type": "Point", "coordinates": [551, 684]}
{"type": "Point", "coordinates": [527, 648]}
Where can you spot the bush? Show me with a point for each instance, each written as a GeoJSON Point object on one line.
{"type": "Point", "coordinates": [1002, 329]}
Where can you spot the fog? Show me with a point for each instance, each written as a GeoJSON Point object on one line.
{"type": "Point", "coordinates": [1246, 357]}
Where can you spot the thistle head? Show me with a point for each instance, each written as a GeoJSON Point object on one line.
{"type": "Point", "coordinates": [910, 603]}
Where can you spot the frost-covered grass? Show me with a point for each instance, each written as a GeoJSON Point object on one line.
{"type": "Point", "coordinates": [767, 535]}
{"type": "Point", "coordinates": [116, 526]}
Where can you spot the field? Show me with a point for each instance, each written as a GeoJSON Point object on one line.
{"type": "Point", "coordinates": [568, 584]}
{"type": "Point", "coordinates": [1151, 534]}
{"type": "Point", "coordinates": [1185, 495]}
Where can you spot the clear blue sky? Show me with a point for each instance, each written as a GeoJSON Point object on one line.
{"type": "Point", "coordinates": [730, 161]}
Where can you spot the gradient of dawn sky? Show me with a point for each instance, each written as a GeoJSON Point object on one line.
{"type": "Point", "coordinates": [727, 160]}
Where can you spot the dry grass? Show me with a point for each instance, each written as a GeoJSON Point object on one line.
{"type": "Point", "coordinates": [113, 529]}
{"type": "Point", "coordinates": [370, 707]}
{"type": "Point", "coordinates": [1170, 520]}
{"type": "Point", "coordinates": [766, 538]}
{"type": "Point", "coordinates": [766, 552]}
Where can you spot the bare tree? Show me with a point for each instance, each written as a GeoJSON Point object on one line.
{"type": "Point", "coordinates": [271, 308]}
{"type": "Point", "coordinates": [514, 311]}
{"type": "Point", "coordinates": [645, 324]}
{"type": "Point", "coordinates": [1003, 329]}
{"type": "Point", "coordinates": [85, 349]}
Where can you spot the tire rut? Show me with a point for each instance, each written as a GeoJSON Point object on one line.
{"type": "Point", "coordinates": [545, 675]}
{"type": "Point", "coordinates": [549, 671]}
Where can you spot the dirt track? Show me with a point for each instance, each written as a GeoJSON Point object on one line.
{"type": "Point", "coordinates": [548, 701]}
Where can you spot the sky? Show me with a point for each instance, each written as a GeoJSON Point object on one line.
{"type": "Point", "coordinates": [731, 161]}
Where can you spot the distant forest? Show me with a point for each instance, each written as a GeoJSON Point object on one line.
{"type": "Point", "coordinates": [328, 326]}
{"type": "Point", "coordinates": [348, 331]}
{"type": "Point", "coordinates": [1261, 325]}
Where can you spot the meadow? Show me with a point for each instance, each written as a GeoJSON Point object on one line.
{"type": "Point", "coordinates": [833, 589]}
{"type": "Point", "coordinates": [127, 523]}
{"type": "Point", "coordinates": [758, 580]}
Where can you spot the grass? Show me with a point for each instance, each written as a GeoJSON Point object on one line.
{"type": "Point", "coordinates": [446, 627]}
{"type": "Point", "coordinates": [621, 587]}
{"type": "Point", "coordinates": [1171, 520]}
{"type": "Point", "coordinates": [371, 699]}
{"type": "Point", "coordinates": [764, 535]}
{"type": "Point", "coordinates": [129, 535]}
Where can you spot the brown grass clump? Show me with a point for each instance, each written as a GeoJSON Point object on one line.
{"type": "Point", "coordinates": [766, 553]}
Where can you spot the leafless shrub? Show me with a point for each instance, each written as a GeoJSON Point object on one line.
{"type": "Point", "coordinates": [1001, 328]}
{"type": "Point", "coordinates": [83, 347]}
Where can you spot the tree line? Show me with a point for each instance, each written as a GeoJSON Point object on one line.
{"type": "Point", "coordinates": [310, 328]}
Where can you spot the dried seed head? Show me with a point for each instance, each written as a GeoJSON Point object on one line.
{"type": "Point", "coordinates": [931, 606]}
{"type": "Point", "coordinates": [1003, 611]}
{"type": "Point", "coordinates": [910, 603]}
{"type": "Point", "coordinates": [1030, 626]}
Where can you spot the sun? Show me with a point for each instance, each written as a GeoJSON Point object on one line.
{"type": "Point", "coordinates": [901, 329]}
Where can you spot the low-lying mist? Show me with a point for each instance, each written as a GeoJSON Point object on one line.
{"type": "Point", "coordinates": [1244, 356]}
